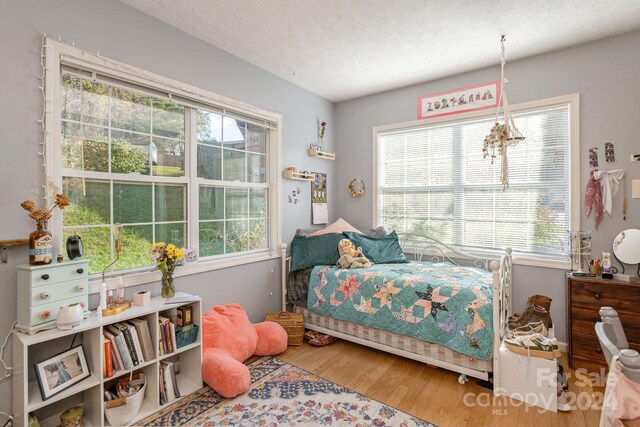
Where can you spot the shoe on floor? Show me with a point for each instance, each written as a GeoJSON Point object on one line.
{"type": "Point", "coordinates": [323, 340]}
{"type": "Point", "coordinates": [535, 345]}
{"type": "Point", "coordinates": [309, 335]}
{"type": "Point", "coordinates": [536, 327]}
{"type": "Point", "coordinates": [533, 313]}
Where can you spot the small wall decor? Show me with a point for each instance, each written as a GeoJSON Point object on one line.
{"type": "Point", "coordinates": [593, 157]}
{"type": "Point", "coordinates": [609, 153]}
{"type": "Point", "coordinates": [319, 209]}
{"type": "Point", "coordinates": [61, 371]}
{"type": "Point", "coordinates": [356, 187]}
{"type": "Point", "coordinates": [469, 98]}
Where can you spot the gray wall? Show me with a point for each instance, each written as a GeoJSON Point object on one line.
{"type": "Point", "coordinates": [125, 34]}
{"type": "Point", "coordinates": [605, 73]}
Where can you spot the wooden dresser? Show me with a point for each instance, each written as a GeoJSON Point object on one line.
{"type": "Point", "coordinates": [585, 296]}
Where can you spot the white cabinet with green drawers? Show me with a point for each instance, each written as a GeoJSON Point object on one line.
{"type": "Point", "coordinates": [43, 289]}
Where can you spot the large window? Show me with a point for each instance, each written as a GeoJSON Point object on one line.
{"type": "Point", "coordinates": [161, 165]}
{"type": "Point", "coordinates": [432, 179]}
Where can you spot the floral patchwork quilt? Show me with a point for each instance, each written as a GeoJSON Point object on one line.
{"type": "Point", "coordinates": [436, 302]}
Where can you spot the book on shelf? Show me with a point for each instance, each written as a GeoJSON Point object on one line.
{"type": "Point", "coordinates": [168, 334]}
{"type": "Point", "coordinates": [121, 345]}
{"type": "Point", "coordinates": [163, 394]}
{"type": "Point", "coordinates": [118, 365]}
{"type": "Point", "coordinates": [129, 341]}
{"type": "Point", "coordinates": [136, 341]}
{"type": "Point", "coordinates": [172, 327]}
{"type": "Point", "coordinates": [144, 334]}
{"type": "Point", "coordinates": [169, 381]}
{"type": "Point", "coordinates": [107, 370]}
{"type": "Point", "coordinates": [162, 333]}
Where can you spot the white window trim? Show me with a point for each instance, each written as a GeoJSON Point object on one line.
{"type": "Point", "coordinates": [573, 100]}
{"type": "Point", "coordinates": [58, 54]}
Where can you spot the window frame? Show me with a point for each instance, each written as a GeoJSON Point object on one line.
{"type": "Point", "coordinates": [58, 54]}
{"type": "Point", "coordinates": [573, 102]}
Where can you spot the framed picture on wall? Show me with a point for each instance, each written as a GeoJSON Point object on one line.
{"type": "Point", "coordinates": [59, 372]}
{"type": "Point", "coordinates": [469, 98]}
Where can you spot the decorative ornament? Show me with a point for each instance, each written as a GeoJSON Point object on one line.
{"type": "Point", "coordinates": [502, 135]}
{"type": "Point", "coordinates": [323, 125]}
{"type": "Point", "coordinates": [356, 187]}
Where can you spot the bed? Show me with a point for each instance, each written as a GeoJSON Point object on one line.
{"type": "Point", "coordinates": [442, 307]}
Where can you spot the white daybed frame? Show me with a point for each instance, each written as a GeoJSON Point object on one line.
{"type": "Point", "coordinates": [418, 247]}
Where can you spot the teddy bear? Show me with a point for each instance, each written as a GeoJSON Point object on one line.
{"type": "Point", "coordinates": [228, 339]}
{"type": "Point", "coordinates": [350, 256]}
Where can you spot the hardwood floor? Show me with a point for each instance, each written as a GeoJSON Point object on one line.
{"type": "Point", "coordinates": [429, 393]}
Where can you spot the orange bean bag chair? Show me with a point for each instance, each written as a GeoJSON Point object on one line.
{"type": "Point", "coordinates": [228, 339]}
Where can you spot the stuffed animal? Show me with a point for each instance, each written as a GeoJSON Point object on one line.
{"type": "Point", "coordinates": [228, 339]}
{"type": "Point", "coordinates": [350, 256]}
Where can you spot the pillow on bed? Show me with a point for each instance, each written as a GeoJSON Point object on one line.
{"type": "Point", "coordinates": [339, 226]}
{"type": "Point", "coordinates": [314, 250]}
{"type": "Point", "coordinates": [306, 232]}
{"type": "Point", "coordinates": [379, 249]}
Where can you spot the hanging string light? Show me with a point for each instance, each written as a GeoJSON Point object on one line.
{"type": "Point", "coordinates": [502, 135]}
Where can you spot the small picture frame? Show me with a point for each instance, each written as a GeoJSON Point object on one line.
{"type": "Point", "coordinates": [59, 372]}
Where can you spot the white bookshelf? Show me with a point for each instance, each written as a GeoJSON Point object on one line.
{"type": "Point", "coordinates": [31, 349]}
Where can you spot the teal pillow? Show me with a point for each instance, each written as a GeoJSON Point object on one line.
{"type": "Point", "coordinates": [379, 249]}
{"type": "Point", "coordinates": [314, 250]}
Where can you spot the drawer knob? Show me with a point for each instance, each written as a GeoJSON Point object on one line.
{"type": "Point", "coordinates": [596, 295]}
{"type": "Point", "coordinates": [598, 350]}
{"type": "Point", "coordinates": [45, 277]}
{"type": "Point", "coordinates": [44, 295]}
{"type": "Point", "coordinates": [80, 288]}
{"type": "Point", "coordinates": [80, 270]}
{"type": "Point", "coordinates": [45, 314]}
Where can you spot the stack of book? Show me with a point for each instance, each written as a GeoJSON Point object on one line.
{"type": "Point", "coordinates": [126, 345]}
{"type": "Point", "coordinates": [166, 335]}
{"type": "Point", "coordinates": [168, 384]}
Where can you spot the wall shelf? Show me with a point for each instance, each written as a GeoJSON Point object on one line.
{"type": "Point", "coordinates": [5, 244]}
{"type": "Point", "coordinates": [322, 154]}
{"type": "Point", "coordinates": [301, 176]}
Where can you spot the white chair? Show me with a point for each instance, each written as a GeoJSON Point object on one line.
{"type": "Point", "coordinates": [614, 343]}
{"type": "Point", "coordinates": [622, 361]}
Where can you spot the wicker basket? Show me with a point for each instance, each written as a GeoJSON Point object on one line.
{"type": "Point", "coordinates": [293, 323]}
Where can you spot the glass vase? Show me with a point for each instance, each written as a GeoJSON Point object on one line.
{"type": "Point", "coordinates": [40, 245]}
{"type": "Point", "coordinates": [168, 290]}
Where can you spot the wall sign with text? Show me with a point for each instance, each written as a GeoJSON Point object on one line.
{"type": "Point", "coordinates": [470, 98]}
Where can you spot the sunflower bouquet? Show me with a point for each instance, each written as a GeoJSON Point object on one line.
{"type": "Point", "coordinates": [166, 256]}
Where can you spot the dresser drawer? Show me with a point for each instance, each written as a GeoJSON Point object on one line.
{"type": "Point", "coordinates": [587, 347]}
{"type": "Point", "coordinates": [583, 321]}
{"type": "Point", "coordinates": [48, 312]}
{"type": "Point", "coordinates": [53, 274]}
{"type": "Point", "coordinates": [59, 291]}
{"type": "Point", "coordinates": [620, 297]}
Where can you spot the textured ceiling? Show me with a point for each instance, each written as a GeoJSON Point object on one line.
{"type": "Point", "coordinates": [344, 49]}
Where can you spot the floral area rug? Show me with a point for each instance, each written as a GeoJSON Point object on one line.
{"type": "Point", "coordinates": [282, 394]}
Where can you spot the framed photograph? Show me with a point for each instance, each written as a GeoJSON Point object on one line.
{"type": "Point", "coordinates": [61, 371]}
{"type": "Point", "coordinates": [469, 98]}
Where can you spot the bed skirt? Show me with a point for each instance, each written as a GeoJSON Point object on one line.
{"type": "Point", "coordinates": [403, 342]}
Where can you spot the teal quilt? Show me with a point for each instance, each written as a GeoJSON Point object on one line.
{"type": "Point", "coordinates": [436, 302]}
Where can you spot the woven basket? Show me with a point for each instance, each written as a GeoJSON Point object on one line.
{"type": "Point", "coordinates": [293, 323]}
{"type": "Point", "coordinates": [123, 415]}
